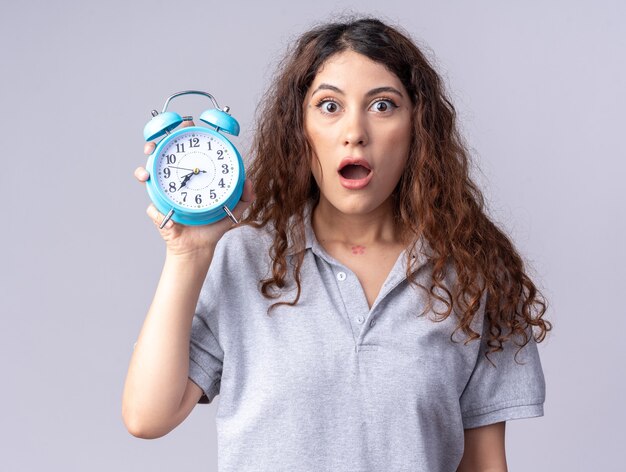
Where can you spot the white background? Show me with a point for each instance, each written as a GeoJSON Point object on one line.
{"type": "Point", "coordinates": [539, 88]}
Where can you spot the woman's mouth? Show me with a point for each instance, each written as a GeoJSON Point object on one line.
{"type": "Point", "coordinates": [354, 173]}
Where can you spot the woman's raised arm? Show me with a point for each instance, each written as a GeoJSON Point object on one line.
{"type": "Point", "coordinates": [158, 394]}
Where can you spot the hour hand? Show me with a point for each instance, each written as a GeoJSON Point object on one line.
{"type": "Point", "coordinates": [185, 180]}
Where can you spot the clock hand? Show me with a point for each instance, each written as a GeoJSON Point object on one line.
{"type": "Point", "coordinates": [185, 180]}
{"type": "Point", "coordinates": [195, 171]}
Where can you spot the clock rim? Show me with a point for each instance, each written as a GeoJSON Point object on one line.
{"type": "Point", "coordinates": [189, 216]}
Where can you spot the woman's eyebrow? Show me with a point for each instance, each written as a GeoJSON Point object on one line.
{"type": "Point", "coordinates": [379, 90]}
{"type": "Point", "coordinates": [328, 87]}
{"type": "Point", "coordinates": [374, 91]}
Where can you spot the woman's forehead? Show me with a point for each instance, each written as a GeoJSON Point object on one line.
{"type": "Point", "coordinates": [350, 70]}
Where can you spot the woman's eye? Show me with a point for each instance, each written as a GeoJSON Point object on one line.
{"type": "Point", "coordinates": [328, 107]}
{"type": "Point", "coordinates": [383, 106]}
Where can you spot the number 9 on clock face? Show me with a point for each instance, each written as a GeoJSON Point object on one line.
{"type": "Point", "coordinates": [195, 171]}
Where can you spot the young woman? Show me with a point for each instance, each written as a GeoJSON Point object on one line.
{"type": "Point", "coordinates": [366, 315]}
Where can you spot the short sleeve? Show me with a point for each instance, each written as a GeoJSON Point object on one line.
{"type": "Point", "coordinates": [515, 388]}
{"type": "Point", "coordinates": [205, 359]}
{"type": "Point", "coordinates": [206, 356]}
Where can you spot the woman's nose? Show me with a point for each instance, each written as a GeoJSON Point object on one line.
{"type": "Point", "coordinates": [355, 132]}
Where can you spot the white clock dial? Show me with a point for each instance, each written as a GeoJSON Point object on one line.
{"type": "Point", "coordinates": [197, 170]}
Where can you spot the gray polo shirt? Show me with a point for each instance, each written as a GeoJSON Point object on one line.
{"type": "Point", "coordinates": [331, 385]}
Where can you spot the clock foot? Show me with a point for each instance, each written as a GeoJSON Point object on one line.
{"type": "Point", "coordinates": [166, 219]}
{"type": "Point", "coordinates": [230, 215]}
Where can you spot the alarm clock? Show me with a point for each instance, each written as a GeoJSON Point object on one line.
{"type": "Point", "coordinates": [196, 173]}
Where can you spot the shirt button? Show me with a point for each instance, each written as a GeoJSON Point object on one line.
{"type": "Point", "coordinates": [372, 323]}
{"type": "Point", "coordinates": [341, 276]}
{"type": "Point", "coordinates": [360, 319]}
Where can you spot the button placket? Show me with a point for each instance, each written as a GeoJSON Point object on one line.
{"type": "Point", "coordinates": [354, 306]}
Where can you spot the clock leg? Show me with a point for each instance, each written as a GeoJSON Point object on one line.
{"type": "Point", "coordinates": [166, 219]}
{"type": "Point", "coordinates": [230, 215]}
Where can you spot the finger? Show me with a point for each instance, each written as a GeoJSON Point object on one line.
{"type": "Point", "coordinates": [148, 148]}
{"type": "Point", "coordinates": [157, 217]}
{"type": "Point", "coordinates": [186, 124]}
{"type": "Point", "coordinates": [248, 192]}
{"type": "Point", "coordinates": [141, 174]}
{"type": "Point", "coordinates": [246, 200]}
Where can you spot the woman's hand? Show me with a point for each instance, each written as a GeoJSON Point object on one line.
{"type": "Point", "coordinates": [184, 240]}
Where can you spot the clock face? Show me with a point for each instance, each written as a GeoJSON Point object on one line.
{"type": "Point", "coordinates": [197, 169]}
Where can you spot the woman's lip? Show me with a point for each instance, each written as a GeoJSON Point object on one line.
{"type": "Point", "coordinates": [358, 161]}
{"type": "Point", "coordinates": [355, 184]}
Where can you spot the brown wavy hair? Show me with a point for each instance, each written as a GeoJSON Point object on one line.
{"type": "Point", "coordinates": [435, 198]}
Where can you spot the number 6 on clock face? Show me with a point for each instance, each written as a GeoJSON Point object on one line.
{"type": "Point", "coordinates": [196, 173]}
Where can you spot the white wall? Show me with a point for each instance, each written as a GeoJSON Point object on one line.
{"type": "Point", "coordinates": [539, 87]}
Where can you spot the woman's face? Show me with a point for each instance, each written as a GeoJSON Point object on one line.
{"type": "Point", "coordinates": [357, 118]}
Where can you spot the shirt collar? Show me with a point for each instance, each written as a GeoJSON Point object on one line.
{"type": "Point", "coordinates": [309, 234]}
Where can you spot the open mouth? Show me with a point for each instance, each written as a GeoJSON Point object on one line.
{"type": "Point", "coordinates": [354, 168]}
{"type": "Point", "coordinates": [354, 172]}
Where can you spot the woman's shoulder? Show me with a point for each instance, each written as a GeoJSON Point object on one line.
{"type": "Point", "coordinates": [244, 243]}
{"type": "Point", "coordinates": [247, 235]}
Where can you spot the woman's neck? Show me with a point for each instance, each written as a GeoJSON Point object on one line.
{"type": "Point", "coordinates": [373, 228]}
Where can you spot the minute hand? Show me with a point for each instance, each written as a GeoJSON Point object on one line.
{"type": "Point", "coordinates": [195, 171]}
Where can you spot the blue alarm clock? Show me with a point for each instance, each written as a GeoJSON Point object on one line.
{"type": "Point", "coordinates": [196, 173]}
